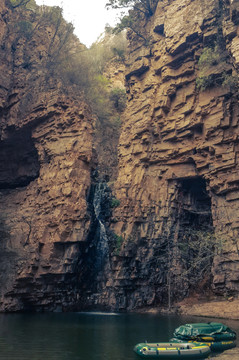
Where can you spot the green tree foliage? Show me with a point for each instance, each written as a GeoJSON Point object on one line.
{"type": "Point", "coordinates": [132, 20]}
{"type": "Point", "coordinates": [204, 82]}
{"type": "Point", "coordinates": [119, 53]}
{"type": "Point", "coordinates": [147, 7]}
{"type": "Point", "coordinates": [62, 57]}
{"type": "Point", "coordinates": [210, 58]}
{"type": "Point", "coordinates": [230, 81]}
{"type": "Point", "coordinates": [114, 203]}
{"type": "Point", "coordinates": [61, 43]}
{"type": "Point", "coordinates": [24, 28]}
{"type": "Point", "coordinates": [118, 241]}
{"type": "Point", "coordinates": [85, 69]}
{"type": "Point", "coordinates": [16, 3]}
{"type": "Point", "coordinates": [118, 97]}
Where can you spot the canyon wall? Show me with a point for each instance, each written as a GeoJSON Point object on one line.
{"type": "Point", "coordinates": [46, 162]}
{"type": "Point", "coordinates": [178, 158]}
{"type": "Point", "coordinates": [77, 233]}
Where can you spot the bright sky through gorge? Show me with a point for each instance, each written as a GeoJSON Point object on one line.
{"type": "Point", "coordinates": [89, 17]}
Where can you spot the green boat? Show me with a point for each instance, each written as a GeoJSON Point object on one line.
{"type": "Point", "coordinates": [215, 346]}
{"type": "Point", "coordinates": [217, 336]}
{"type": "Point", "coordinates": [172, 350]}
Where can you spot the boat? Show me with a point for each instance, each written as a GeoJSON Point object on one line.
{"type": "Point", "coordinates": [172, 351]}
{"type": "Point", "coordinates": [217, 336]}
{"type": "Point", "coordinates": [215, 346]}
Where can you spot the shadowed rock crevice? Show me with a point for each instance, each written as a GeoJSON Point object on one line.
{"type": "Point", "coordinates": [195, 239]}
{"type": "Point", "coordinates": [18, 161]}
{"type": "Point", "coordinates": [195, 204]}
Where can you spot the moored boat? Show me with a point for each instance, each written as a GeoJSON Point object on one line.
{"type": "Point", "coordinates": [216, 346]}
{"type": "Point", "coordinates": [172, 350]}
{"type": "Point", "coordinates": [217, 336]}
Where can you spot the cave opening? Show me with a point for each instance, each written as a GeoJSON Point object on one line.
{"type": "Point", "coordinates": [194, 204]}
{"type": "Point", "coordinates": [196, 239]}
{"type": "Point", "coordinates": [19, 161]}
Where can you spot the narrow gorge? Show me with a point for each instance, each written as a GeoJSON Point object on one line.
{"type": "Point", "coordinates": [136, 212]}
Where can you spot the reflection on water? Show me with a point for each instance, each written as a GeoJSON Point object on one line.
{"type": "Point", "coordinates": [99, 313]}
{"type": "Point", "coordinates": [84, 336]}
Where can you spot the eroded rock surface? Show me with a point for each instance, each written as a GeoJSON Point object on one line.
{"type": "Point", "coordinates": [46, 163]}
{"type": "Point", "coordinates": [178, 166]}
{"type": "Point", "coordinates": [66, 243]}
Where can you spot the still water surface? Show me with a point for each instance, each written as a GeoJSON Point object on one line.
{"type": "Point", "coordinates": [84, 336]}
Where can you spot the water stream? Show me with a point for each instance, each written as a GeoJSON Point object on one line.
{"type": "Point", "coordinates": [102, 246]}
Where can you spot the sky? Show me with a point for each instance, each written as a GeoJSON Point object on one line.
{"type": "Point", "coordinates": [89, 17]}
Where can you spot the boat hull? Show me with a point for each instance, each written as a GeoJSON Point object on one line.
{"type": "Point", "coordinates": [215, 346]}
{"type": "Point", "coordinates": [218, 346]}
{"type": "Point", "coordinates": [172, 351]}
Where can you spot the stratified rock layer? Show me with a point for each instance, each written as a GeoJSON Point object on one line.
{"type": "Point", "coordinates": [178, 162]}
{"type": "Point", "coordinates": [46, 162]}
{"type": "Point", "coordinates": [67, 244]}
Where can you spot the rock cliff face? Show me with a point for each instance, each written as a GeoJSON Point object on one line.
{"type": "Point", "coordinates": [69, 241]}
{"type": "Point", "coordinates": [178, 157]}
{"type": "Point", "coordinates": [46, 162]}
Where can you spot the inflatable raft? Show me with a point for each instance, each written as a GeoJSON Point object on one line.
{"type": "Point", "coordinates": [216, 346]}
{"type": "Point", "coordinates": [217, 336]}
{"type": "Point", "coordinates": [172, 351]}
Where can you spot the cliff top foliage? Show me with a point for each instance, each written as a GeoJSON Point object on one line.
{"type": "Point", "coordinates": [147, 7]}
{"type": "Point", "coordinates": [132, 20]}
{"type": "Point", "coordinates": [46, 44]}
{"type": "Point", "coordinates": [16, 3]}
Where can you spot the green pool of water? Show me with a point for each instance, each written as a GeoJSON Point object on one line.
{"type": "Point", "coordinates": [84, 336]}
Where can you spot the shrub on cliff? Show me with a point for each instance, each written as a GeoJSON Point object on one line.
{"type": "Point", "coordinates": [210, 57]}
{"type": "Point", "coordinates": [16, 3]}
{"type": "Point", "coordinates": [132, 20]}
{"type": "Point", "coordinates": [61, 58]}
{"type": "Point", "coordinates": [24, 28]}
{"type": "Point", "coordinates": [208, 76]}
{"type": "Point", "coordinates": [231, 81]}
{"type": "Point", "coordinates": [118, 97]}
{"type": "Point", "coordinates": [147, 7]}
{"type": "Point", "coordinates": [86, 70]}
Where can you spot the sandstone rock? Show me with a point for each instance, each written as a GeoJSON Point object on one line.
{"type": "Point", "coordinates": [173, 143]}
{"type": "Point", "coordinates": [46, 162]}
{"type": "Point", "coordinates": [177, 171]}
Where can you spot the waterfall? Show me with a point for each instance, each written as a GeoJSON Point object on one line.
{"type": "Point", "coordinates": [101, 209]}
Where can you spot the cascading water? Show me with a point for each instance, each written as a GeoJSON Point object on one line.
{"type": "Point", "coordinates": [100, 208]}
{"type": "Point", "coordinates": [94, 266]}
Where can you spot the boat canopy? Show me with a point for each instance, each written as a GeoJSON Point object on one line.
{"type": "Point", "coordinates": [199, 330]}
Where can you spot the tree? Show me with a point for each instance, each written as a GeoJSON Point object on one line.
{"type": "Point", "coordinates": [16, 3]}
{"type": "Point", "coordinates": [147, 7]}
{"type": "Point", "coordinates": [141, 9]}
{"type": "Point", "coordinates": [127, 22]}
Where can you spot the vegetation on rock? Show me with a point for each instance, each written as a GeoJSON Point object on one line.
{"type": "Point", "coordinates": [118, 241]}
{"type": "Point", "coordinates": [214, 64]}
{"type": "Point", "coordinates": [16, 3]}
{"type": "Point", "coordinates": [147, 7]}
{"type": "Point", "coordinates": [141, 9]}
{"type": "Point", "coordinates": [118, 97]}
{"type": "Point", "coordinates": [210, 59]}
{"type": "Point", "coordinates": [114, 203]}
{"type": "Point", "coordinates": [64, 59]}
